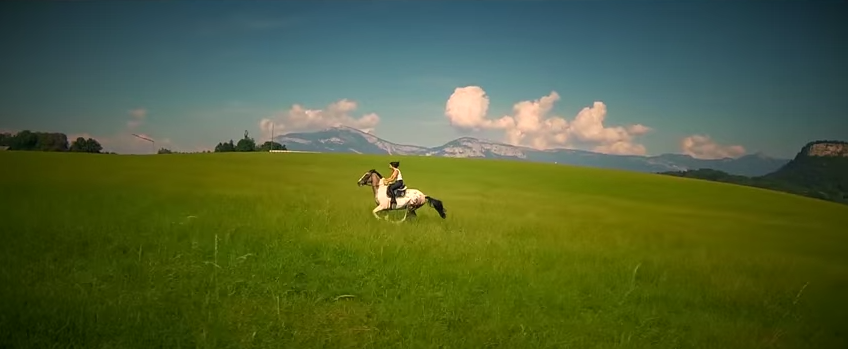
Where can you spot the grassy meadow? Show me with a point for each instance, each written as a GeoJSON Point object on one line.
{"type": "Point", "coordinates": [271, 250]}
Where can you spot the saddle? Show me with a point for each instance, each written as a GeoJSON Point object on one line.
{"type": "Point", "coordinates": [399, 192]}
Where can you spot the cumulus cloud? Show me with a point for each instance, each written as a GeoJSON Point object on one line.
{"type": "Point", "coordinates": [298, 118]}
{"type": "Point", "coordinates": [530, 125]}
{"type": "Point", "coordinates": [467, 107]}
{"type": "Point", "coordinates": [703, 147]}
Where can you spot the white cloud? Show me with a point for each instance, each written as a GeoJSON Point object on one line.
{"type": "Point", "coordinates": [137, 117]}
{"type": "Point", "coordinates": [530, 125]}
{"type": "Point", "coordinates": [467, 107]}
{"type": "Point", "coordinates": [638, 129]}
{"type": "Point", "coordinates": [703, 147]}
{"type": "Point", "coordinates": [297, 118]}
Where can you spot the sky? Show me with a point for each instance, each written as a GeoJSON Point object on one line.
{"type": "Point", "coordinates": [710, 79]}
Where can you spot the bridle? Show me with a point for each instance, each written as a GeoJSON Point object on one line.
{"type": "Point", "coordinates": [366, 178]}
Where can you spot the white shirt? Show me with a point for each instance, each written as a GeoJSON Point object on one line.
{"type": "Point", "coordinates": [400, 176]}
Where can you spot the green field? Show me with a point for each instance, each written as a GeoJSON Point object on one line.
{"type": "Point", "coordinates": [254, 250]}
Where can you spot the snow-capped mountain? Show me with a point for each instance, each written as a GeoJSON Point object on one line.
{"type": "Point", "coordinates": [349, 140]}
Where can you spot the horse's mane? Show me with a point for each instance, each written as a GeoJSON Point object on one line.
{"type": "Point", "coordinates": [378, 173]}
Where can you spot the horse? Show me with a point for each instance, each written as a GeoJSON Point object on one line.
{"type": "Point", "coordinates": [406, 199]}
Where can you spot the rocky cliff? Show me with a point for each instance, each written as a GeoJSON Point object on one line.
{"type": "Point", "coordinates": [826, 148]}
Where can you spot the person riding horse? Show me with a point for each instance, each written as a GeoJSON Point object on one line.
{"type": "Point", "coordinates": [395, 181]}
{"type": "Point", "coordinates": [385, 190]}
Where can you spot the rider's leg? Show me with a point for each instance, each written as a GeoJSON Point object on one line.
{"type": "Point", "coordinates": [394, 186]}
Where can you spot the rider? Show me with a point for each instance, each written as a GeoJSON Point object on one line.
{"type": "Point", "coordinates": [395, 180]}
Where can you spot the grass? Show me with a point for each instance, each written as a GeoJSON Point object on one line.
{"type": "Point", "coordinates": [281, 250]}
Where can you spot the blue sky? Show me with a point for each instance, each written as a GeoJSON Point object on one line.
{"type": "Point", "coordinates": [766, 76]}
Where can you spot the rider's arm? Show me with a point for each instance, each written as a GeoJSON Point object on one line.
{"type": "Point", "coordinates": [393, 176]}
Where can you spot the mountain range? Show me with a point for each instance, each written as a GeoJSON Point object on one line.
{"type": "Point", "coordinates": [349, 140]}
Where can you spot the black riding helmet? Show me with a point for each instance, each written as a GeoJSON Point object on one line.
{"type": "Point", "coordinates": [395, 164]}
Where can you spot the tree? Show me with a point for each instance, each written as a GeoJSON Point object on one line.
{"type": "Point", "coordinates": [271, 145]}
{"type": "Point", "coordinates": [225, 147]}
{"type": "Point", "coordinates": [78, 145]}
{"type": "Point", "coordinates": [51, 141]}
{"type": "Point", "coordinates": [82, 145]}
{"type": "Point", "coordinates": [164, 151]}
{"type": "Point", "coordinates": [246, 144]}
{"type": "Point", "coordinates": [24, 140]}
{"type": "Point", "coordinates": [6, 139]}
{"type": "Point", "coordinates": [93, 146]}
{"type": "Point", "coordinates": [27, 140]}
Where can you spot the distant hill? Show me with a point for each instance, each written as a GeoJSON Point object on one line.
{"type": "Point", "coordinates": [349, 140]}
{"type": "Point", "coordinates": [819, 170]}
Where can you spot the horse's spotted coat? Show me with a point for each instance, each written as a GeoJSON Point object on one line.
{"type": "Point", "coordinates": [411, 201]}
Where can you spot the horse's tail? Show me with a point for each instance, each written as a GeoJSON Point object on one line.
{"type": "Point", "coordinates": [437, 204]}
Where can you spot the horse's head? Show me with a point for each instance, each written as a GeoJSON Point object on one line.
{"type": "Point", "coordinates": [364, 179]}
{"type": "Point", "coordinates": [369, 178]}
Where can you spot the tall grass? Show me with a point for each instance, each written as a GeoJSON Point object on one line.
{"type": "Point", "coordinates": [281, 250]}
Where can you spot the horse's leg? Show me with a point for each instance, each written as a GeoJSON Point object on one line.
{"type": "Point", "coordinates": [414, 206]}
{"type": "Point", "coordinates": [405, 212]}
{"type": "Point", "coordinates": [389, 210]}
{"type": "Point", "coordinates": [375, 210]}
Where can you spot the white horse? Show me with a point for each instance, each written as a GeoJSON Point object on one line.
{"type": "Point", "coordinates": [406, 199]}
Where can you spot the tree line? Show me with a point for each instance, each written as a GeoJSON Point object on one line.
{"type": "Point", "coordinates": [169, 151]}
{"type": "Point", "coordinates": [247, 144]}
{"type": "Point", "coordinates": [27, 140]}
